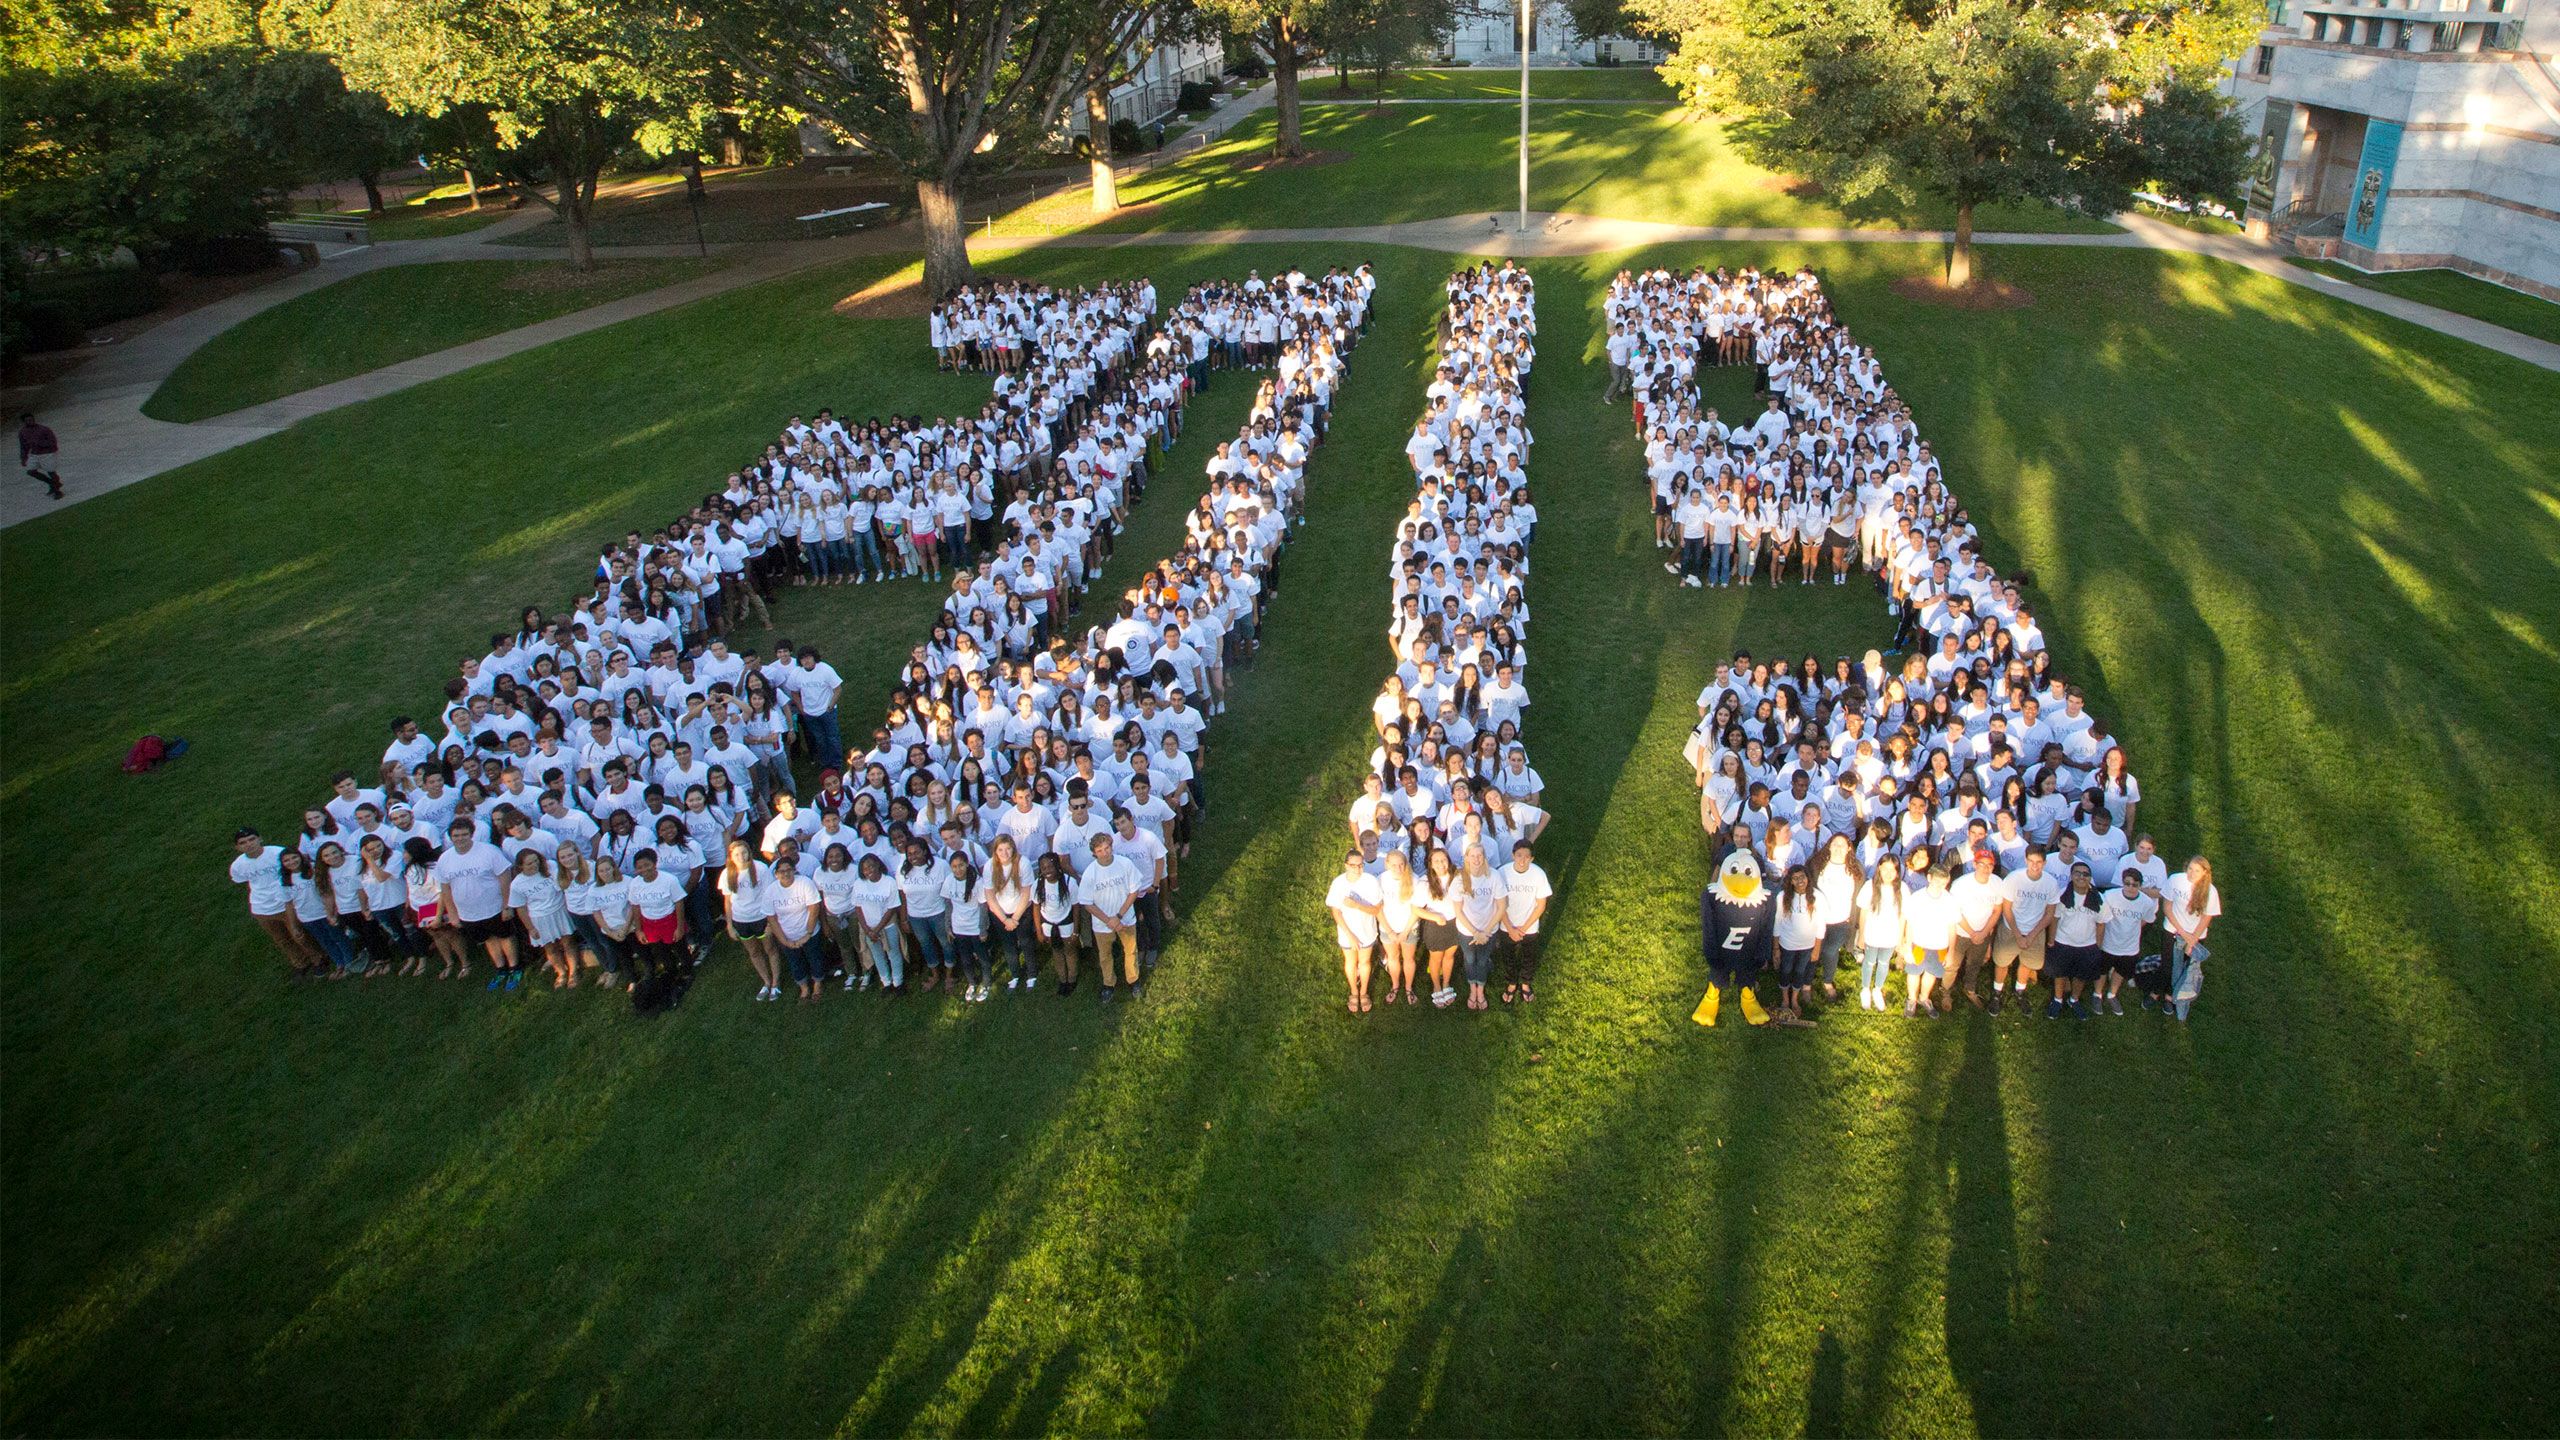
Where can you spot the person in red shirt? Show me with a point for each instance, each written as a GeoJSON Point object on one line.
{"type": "Point", "coordinates": [37, 447]}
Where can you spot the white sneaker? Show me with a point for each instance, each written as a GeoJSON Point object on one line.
{"type": "Point", "coordinates": [1031, 982]}
{"type": "Point", "coordinates": [1014, 983]}
{"type": "Point", "coordinates": [1692, 583]}
{"type": "Point", "coordinates": [1670, 569]}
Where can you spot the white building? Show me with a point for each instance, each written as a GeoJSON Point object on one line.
{"type": "Point", "coordinates": [2411, 134]}
{"type": "Point", "coordinates": [1489, 34]}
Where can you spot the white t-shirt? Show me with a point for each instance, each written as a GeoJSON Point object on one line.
{"type": "Point", "coordinates": [2120, 921]}
{"type": "Point", "coordinates": [656, 899]}
{"type": "Point", "coordinates": [2030, 897]}
{"type": "Point", "coordinates": [1976, 899]}
{"type": "Point", "coordinates": [477, 879]}
{"type": "Point", "coordinates": [1521, 892]}
{"type": "Point", "coordinates": [2179, 894]}
{"type": "Point", "coordinates": [268, 894]}
{"type": "Point", "coordinates": [791, 906]}
{"type": "Point", "coordinates": [1353, 927]}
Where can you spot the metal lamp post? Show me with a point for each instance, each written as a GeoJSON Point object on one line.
{"type": "Point", "coordinates": [1527, 10]}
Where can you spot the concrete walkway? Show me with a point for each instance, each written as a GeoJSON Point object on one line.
{"type": "Point", "coordinates": [109, 443]}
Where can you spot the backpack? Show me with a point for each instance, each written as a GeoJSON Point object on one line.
{"type": "Point", "coordinates": [147, 754]}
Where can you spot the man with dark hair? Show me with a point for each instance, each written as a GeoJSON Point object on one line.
{"type": "Point", "coordinates": [38, 452]}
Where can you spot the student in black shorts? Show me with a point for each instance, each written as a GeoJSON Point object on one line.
{"type": "Point", "coordinates": [2074, 951]}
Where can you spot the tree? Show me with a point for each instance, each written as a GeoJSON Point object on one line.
{"type": "Point", "coordinates": [934, 87]}
{"type": "Point", "coordinates": [1380, 35]}
{"type": "Point", "coordinates": [1974, 102]}
{"type": "Point", "coordinates": [1178, 22]}
{"type": "Point", "coordinates": [1287, 31]}
{"type": "Point", "coordinates": [566, 84]}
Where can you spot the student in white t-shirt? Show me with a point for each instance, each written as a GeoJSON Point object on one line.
{"type": "Point", "coordinates": [794, 905]}
{"type": "Point", "coordinates": [1353, 897]}
{"type": "Point", "coordinates": [2121, 918]}
{"type": "Point", "coordinates": [2188, 905]}
{"type": "Point", "coordinates": [260, 866]}
{"type": "Point", "coordinates": [1525, 893]}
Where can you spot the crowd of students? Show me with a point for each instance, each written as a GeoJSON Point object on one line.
{"type": "Point", "coordinates": [1957, 815]}
{"type": "Point", "coordinates": [613, 786]}
{"type": "Point", "coordinates": [1440, 864]}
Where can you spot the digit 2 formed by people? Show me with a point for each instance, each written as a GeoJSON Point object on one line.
{"type": "Point", "coordinates": [1968, 777]}
{"type": "Point", "coordinates": [613, 786]}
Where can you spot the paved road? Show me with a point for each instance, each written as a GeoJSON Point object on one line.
{"type": "Point", "coordinates": [109, 443]}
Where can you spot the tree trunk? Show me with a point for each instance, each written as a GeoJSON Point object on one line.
{"type": "Point", "coordinates": [1284, 94]}
{"type": "Point", "coordinates": [1097, 125]}
{"type": "Point", "coordinates": [576, 209]}
{"type": "Point", "coordinates": [733, 150]}
{"type": "Point", "coordinates": [1960, 258]}
{"type": "Point", "coordinates": [471, 184]}
{"type": "Point", "coordinates": [946, 243]}
{"type": "Point", "coordinates": [372, 191]}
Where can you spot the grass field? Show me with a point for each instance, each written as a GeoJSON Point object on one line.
{"type": "Point", "coordinates": [2462, 294]}
{"type": "Point", "coordinates": [1417, 162]}
{"type": "Point", "coordinates": [2299, 552]}
{"type": "Point", "coordinates": [1496, 82]}
{"type": "Point", "coordinates": [382, 317]}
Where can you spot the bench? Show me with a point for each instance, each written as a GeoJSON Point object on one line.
{"type": "Point", "coordinates": [320, 230]}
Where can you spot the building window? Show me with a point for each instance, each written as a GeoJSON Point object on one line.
{"type": "Point", "coordinates": [2265, 64]}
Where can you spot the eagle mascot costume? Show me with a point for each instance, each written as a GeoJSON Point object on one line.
{"type": "Point", "coordinates": [1737, 926]}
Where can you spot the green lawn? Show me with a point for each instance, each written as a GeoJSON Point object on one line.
{"type": "Point", "coordinates": [1419, 162]}
{"type": "Point", "coordinates": [2462, 294]}
{"type": "Point", "coordinates": [410, 222]}
{"type": "Point", "coordinates": [2298, 551]}
{"type": "Point", "coordinates": [1488, 82]}
{"type": "Point", "coordinates": [381, 317]}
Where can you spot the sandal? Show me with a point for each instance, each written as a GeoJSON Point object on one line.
{"type": "Point", "coordinates": [1527, 994]}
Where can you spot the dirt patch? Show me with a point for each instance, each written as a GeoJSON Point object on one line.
{"type": "Point", "coordinates": [1795, 187]}
{"type": "Point", "coordinates": [1980, 295]}
{"type": "Point", "coordinates": [897, 297]}
{"type": "Point", "coordinates": [1312, 160]}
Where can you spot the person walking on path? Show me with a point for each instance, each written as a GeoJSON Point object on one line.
{"type": "Point", "coordinates": [37, 449]}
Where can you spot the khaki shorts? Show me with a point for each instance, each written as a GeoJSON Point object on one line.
{"type": "Point", "coordinates": [2008, 949]}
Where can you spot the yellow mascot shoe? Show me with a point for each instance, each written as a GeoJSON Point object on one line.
{"type": "Point", "coordinates": [1705, 1014]}
{"type": "Point", "coordinates": [1751, 1010]}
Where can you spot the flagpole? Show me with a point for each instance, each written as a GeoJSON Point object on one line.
{"type": "Point", "coordinates": [1525, 13]}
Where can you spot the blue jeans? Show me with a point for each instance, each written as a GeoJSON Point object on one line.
{"type": "Point", "coordinates": [866, 553]}
{"type": "Point", "coordinates": [335, 942]}
{"type": "Point", "coordinates": [933, 940]}
{"type": "Point", "coordinates": [826, 743]}
{"type": "Point", "coordinates": [1478, 957]}
{"type": "Point", "coordinates": [2182, 964]}
{"type": "Point", "coordinates": [972, 950]}
{"type": "Point", "coordinates": [1693, 557]}
{"type": "Point", "coordinates": [606, 949]}
{"type": "Point", "coordinates": [888, 955]}
{"type": "Point", "coordinates": [1719, 562]}
{"type": "Point", "coordinates": [808, 960]}
{"type": "Point", "coordinates": [819, 557]}
{"type": "Point", "coordinates": [1874, 962]}
{"type": "Point", "coordinates": [1836, 942]}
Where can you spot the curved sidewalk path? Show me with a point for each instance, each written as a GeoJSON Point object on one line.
{"type": "Point", "coordinates": [109, 443]}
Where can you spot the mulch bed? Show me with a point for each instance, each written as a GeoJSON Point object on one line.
{"type": "Point", "coordinates": [1980, 295]}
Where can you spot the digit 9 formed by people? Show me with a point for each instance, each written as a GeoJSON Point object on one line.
{"type": "Point", "coordinates": [1954, 816]}
{"type": "Point", "coordinates": [612, 786]}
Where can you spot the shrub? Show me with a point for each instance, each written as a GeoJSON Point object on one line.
{"type": "Point", "coordinates": [1125, 137]}
{"type": "Point", "coordinates": [1196, 97]}
{"type": "Point", "coordinates": [1252, 68]}
{"type": "Point", "coordinates": [61, 307]}
{"type": "Point", "coordinates": [236, 254]}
